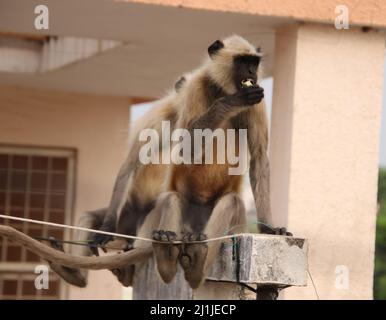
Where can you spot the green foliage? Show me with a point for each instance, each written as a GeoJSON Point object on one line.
{"type": "Point", "coordinates": [380, 249]}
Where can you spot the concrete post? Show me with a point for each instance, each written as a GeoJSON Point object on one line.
{"type": "Point", "coordinates": [266, 261]}
{"type": "Point", "coordinates": [324, 151]}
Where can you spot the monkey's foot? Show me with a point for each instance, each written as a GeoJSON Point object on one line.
{"type": "Point", "coordinates": [277, 231]}
{"type": "Point", "coordinates": [166, 254]}
{"type": "Point", "coordinates": [125, 275]}
{"type": "Point", "coordinates": [71, 275]}
{"type": "Point", "coordinates": [193, 258]}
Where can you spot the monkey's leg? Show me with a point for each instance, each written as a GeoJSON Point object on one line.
{"type": "Point", "coordinates": [259, 177]}
{"type": "Point", "coordinates": [259, 170]}
{"type": "Point", "coordinates": [129, 218]}
{"type": "Point", "coordinates": [228, 216]}
{"type": "Point", "coordinates": [150, 223]}
{"type": "Point", "coordinates": [166, 255]}
{"type": "Point", "coordinates": [192, 258]}
{"type": "Point", "coordinates": [125, 275]}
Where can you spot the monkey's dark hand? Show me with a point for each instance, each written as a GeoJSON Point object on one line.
{"type": "Point", "coordinates": [100, 239]}
{"type": "Point", "coordinates": [245, 97]}
{"type": "Point", "coordinates": [277, 231]}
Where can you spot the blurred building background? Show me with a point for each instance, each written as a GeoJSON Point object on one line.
{"type": "Point", "coordinates": [69, 94]}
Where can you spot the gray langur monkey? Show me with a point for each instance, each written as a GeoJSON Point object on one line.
{"type": "Point", "coordinates": [135, 191]}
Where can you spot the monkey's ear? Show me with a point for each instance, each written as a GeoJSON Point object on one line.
{"type": "Point", "coordinates": [179, 83]}
{"type": "Point", "coordinates": [215, 47]}
{"type": "Point", "coordinates": [259, 51]}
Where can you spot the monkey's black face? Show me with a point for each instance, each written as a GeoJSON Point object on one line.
{"type": "Point", "coordinates": [245, 70]}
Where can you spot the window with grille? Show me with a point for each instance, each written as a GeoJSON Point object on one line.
{"type": "Point", "coordinates": [35, 183]}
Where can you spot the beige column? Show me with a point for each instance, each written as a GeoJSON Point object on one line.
{"type": "Point", "coordinates": [324, 152]}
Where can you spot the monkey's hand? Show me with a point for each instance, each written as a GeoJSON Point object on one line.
{"type": "Point", "coordinates": [228, 106]}
{"type": "Point", "coordinates": [245, 97]}
{"type": "Point", "coordinates": [100, 239]}
{"type": "Point", "coordinates": [277, 231]}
